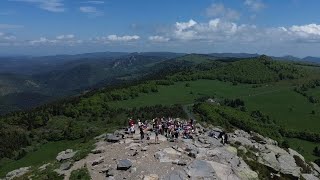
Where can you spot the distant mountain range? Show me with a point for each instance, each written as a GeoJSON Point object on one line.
{"type": "Point", "coordinates": [27, 81]}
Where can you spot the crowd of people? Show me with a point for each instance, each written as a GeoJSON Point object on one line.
{"type": "Point", "coordinates": [171, 128]}
{"type": "Point", "coordinates": [168, 127]}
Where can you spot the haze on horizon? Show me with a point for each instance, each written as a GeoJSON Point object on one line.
{"type": "Point", "coordinates": [48, 27]}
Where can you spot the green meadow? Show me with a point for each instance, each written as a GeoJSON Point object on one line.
{"type": "Point", "coordinates": [278, 100]}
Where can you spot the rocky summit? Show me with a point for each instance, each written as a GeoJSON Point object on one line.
{"type": "Point", "coordinates": [246, 156]}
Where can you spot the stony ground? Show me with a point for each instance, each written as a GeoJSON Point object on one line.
{"type": "Point", "coordinates": [123, 156]}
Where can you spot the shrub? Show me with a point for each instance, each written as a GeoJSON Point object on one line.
{"type": "Point", "coordinates": [80, 174]}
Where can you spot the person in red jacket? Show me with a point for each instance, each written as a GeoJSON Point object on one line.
{"type": "Point", "coordinates": [131, 126]}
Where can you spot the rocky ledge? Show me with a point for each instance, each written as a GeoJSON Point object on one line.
{"type": "Point", "coordinates": [247, 156]}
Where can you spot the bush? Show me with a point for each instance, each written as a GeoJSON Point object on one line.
{"type": "Point", "coordinates": [80, 174]}
{"type": "Point", "coordinates": [305, 168]}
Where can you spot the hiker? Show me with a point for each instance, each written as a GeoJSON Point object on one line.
{"type": "Point", "coordinates": [224, 137]}
{"type": "Point", "coordinates": [139, 123]}
{"type": "Point", "coordinates": [131, 126]}
{"type": "Point", "coordinates": [141, 133]}
{"type": "Point", "coordinates": [156, 131]}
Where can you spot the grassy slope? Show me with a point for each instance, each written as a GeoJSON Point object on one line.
{"type": "Point", "coordinates": [45, 153]}
{"type": "Point", "coordinates": [48, 152]}
{"type": "Point", "coordinates": [277, 100]}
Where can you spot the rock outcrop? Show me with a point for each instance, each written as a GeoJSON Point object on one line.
{"type": "Point", "coordinates": [123, 156]}
{"type": "Point", "coordinates": [65, 155]}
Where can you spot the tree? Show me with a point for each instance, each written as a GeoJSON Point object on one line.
{"type": "Point", "coordinates": [316, 151]}
{"type": "Point", "coordinates": [285, 144]}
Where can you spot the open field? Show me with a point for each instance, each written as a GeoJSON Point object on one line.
{"type": "Point", "coordinates": [44, 154]}
{"type": "Point", "coordinates": [279, 101]}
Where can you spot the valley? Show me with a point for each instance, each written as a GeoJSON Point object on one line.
{"type": "Point", "coordinates": [272, 97]}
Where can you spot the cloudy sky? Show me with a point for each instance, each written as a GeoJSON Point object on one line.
{"type": "Point", "coordinates": [273, 27]}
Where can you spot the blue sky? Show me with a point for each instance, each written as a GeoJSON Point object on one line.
{"type": "Point", "coordinates": [274, 27]}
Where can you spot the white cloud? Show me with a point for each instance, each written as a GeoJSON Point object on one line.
{"type": "Point", "coordinates": [68, 39]}
{"type": "Point", "coordinates": [219, 10]}
{"type": "Point", "coordinates": [91, 10]}
{"type": "Point", "coordinates": [9, 26]}
{"type": "Point", "coordinates": [123, 38]}
{"type": "Point", "coordinates": [221, 30]}
{"type": "Point", "coordinates": [94, 2]}
{"type": "Point", "coordinates": [309, 33]}
{"type": "Point", "coordinates": [115, 38]}
{"type": "Point", "coordinates": [7, 39]}
{"type": "Point", "coordinates": [255, 5]}
{"type": "Point", "coordinates": [213, 30]}
{"type": "Point", "coordinates": [48, 5]}
{"type": "Point", "coordinates": [158, 39]}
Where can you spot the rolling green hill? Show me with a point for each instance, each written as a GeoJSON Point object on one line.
{"type": "Point", "coordinates": [272, 104]}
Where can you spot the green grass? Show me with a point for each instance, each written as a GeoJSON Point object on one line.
{"type": "Point", "coordinates": [80, 174]}
{"type": "Point", "coordinates": [278, 100]}
{"type": "Point", "coordinates": [288, 108]}
{"type": "Point", "coordinates": [44, 154]}
{"type": "Point", "coordinates": [314, 92]}
{"type": "Point", "coordinates": [180, 94]}
{"type": "Point", "coordinates": [303, 147]}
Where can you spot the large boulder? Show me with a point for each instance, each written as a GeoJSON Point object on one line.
{"type": "Point", "coordinates": [223, 171]}
{"type": "Point", "coordinates": [97, 161]}
{"type": "Point", "coordinates": [124, 164]}
{"type": "Point", "coordinates": [167, 155]}
{"type": "Point", "coordinates": [17, 173]}
{"type": "Point", "coordinates": [288, 165]}
{"type": "Point", "coordinates": [65, 166]}
{"type": "Point", "coordinates": [113, 138]}
{"type": "Point", "coordinates": [224, 156]}
{"type": "Point", "coordinates": [295, 153]}
{"type": "Point", "coordinates": [200, 169]}
{"type": "Point", "coordinates": [309, 177]}
{"type": "Point", "coordinates": [315, 167]}
{"type": "Point", "coordinates": [176, 175]}
{"type": "Point", "coordinates": [65, 155]}
{"type": "Point", "coordinates": [270, 160]}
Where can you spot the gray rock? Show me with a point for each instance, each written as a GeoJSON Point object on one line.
{"type": "Point", "coordinates": [110, 173]}
{"type": "Point", "coordinates": [243, 149]}
{"type": "Point", "coordinates": [65, 166]}
{"type": "Point", "coordinates": [17, 173]}
{"type": "Point", "coordinates": [270, 160]}
{"type": "Point", "coordinates": [97, 161]}
{"type": "Point", "coordinates": [193, 154]}
{"type": "Point", "coordinates": [113, 138]}
{"type": "Point", "coordinates": [100, 137]}
{"type": "Point", "coordinates": [223, 171]}
{"type": "Point", "coordinates": [145, 148]}
{"type": "Point", "coordinates": [43, 167]}
{"type": "Point", "coordinates": [182, 163]}
{"type": "Point", "coordinates": [309, 177]}
{"type": "Point", "coordinates": [65, 155]}
{"type": "Point", "coordinates": [289, 166]}
{"type": "Point", "coordinates": [200, 169]}
{"type": "Point", "coordinates": [176, 175]}
{"type": "Point", "coordinates": [315, 167]}
{"type": "Point", "coordinates": [295, 153]}
{"type": "Point", "coordinates": [222, 155]}
{"type": "Point", "coordinates": [98, 150]}
{"type": "Point", "coordinates": [133, 170]}
{"type": "Point", "coordinates": [151, 177]}
{"type": "Point", "coordinates": [124, 164]}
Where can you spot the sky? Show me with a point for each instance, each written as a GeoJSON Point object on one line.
{"type": "Point", "coordinates": [49, 27]}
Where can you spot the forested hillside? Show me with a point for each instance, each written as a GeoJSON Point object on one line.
{"type": "Point", "coordinates": [242, 90]}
